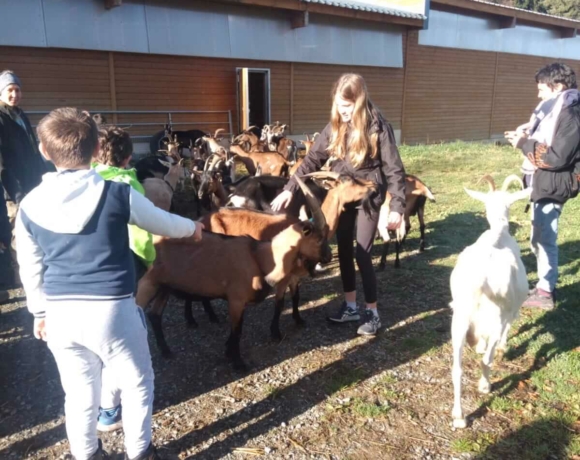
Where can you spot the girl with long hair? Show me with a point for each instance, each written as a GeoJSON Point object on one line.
{"type": "Point", "coordinates": [361, 142]}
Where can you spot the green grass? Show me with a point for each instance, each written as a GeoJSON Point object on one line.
{"type": "Point", "coordinates": [344, 379]}
{"type": "Point", "coordinates": [367, 409]}
{"type": "Point", "coordinates": [541, 414]}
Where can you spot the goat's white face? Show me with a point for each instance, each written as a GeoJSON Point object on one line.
{"type": "Point", "coordinates": [498, 203]}
{"type": "Point", "coordinates": [265, 133]}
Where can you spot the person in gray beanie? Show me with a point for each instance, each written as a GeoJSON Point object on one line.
{"type": "Point", "coordinates": [21, 167]}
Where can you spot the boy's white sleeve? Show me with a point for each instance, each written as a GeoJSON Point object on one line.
{"type": "Point", "coordinates": [145, 215]}
{"type": "Point", "coordinates": [30, 259]}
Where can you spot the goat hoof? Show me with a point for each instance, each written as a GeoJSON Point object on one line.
{"type": "Point", "coordinates": [276, 335]}
{"type": "Point", "coordinates": [459, 423]}
{"type": "Point", "coordinates": [422, 249]}
{"type": "Point", "coordinates": [484, 387]}
{"type": "Point", "coordinates": [299, 322]}
{"type": "Point", "coordinates": [166, 353]}
{"type": "Point", "coordinates": [239, 366]}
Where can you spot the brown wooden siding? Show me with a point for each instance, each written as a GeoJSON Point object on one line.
{"type": "Point", "coordinates": [449, 93]}
{"type": "Point", "coordinates": [313, 85]}
{"type": "Point", "coordinates": [516, 91]}
{"type": "Point", "coordinates": [58, 78]}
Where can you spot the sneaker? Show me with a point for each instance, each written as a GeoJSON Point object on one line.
{"type": "Point", "coordinates": [541, 299]}
{"type": "Point", "coordinates": [110, 419]}
{"type": "Point", "coordinates": [371, 325]}
{"type": "Point", "coordinates": [149, 454]}
{"type": "Point", "coordinates": [345, 314]}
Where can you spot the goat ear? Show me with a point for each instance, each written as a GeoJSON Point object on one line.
{"type": "Point", "coordinates": [477, 195]}
{"type": "Point", "coordinates": [522, 194]}
{"type": "Point", "coordinates": [165, 163]}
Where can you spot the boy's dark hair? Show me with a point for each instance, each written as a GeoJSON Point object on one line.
{"type": "Point", "coordinates": [70, 136]}
{"type": "Point", "coordinates": [115, 146]}
{"type": "Point", "coordinates": [555, 73]}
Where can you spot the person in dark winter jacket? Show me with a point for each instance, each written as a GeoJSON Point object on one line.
{"type": "Point", "coordinates": [554, 151]}
{"type": "Point", "coordinates": [6, 271]}
{"type": "Point", "coordinates": [21, 165]}
{"type": "Point", "coordinates": [361, 142]}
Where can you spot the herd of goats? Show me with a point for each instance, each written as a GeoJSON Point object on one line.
{"type": "Point", "coordinates": [282, 248]}
{"type": "Point", "coordinates": [488, 284]}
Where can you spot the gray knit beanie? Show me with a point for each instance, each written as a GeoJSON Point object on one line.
{"type": "Point", "coordinates": [8, 78]}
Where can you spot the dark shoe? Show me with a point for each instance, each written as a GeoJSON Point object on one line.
{"type": "Point", "coordinates": [149, 454]}
{"type": "Point", "coordinates": [100, 454]}
{"type": "Point", "coordinates": [371, 325]}
{"type": "Point", "coordinates": [345, 314]}
{"type": "Point", "coordinates": [541, 299]}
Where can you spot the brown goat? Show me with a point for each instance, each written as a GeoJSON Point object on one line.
{"type": "Point", "coordinates": [263, 226]}
{"type": "Point", "coordinates": [272, 163]}
{"type": "Point", "coordinates": [249, 141]}
{"type": "Point", "coordinates": [416, 194]}
{"type": "Point", "coordinates": [212, 268]}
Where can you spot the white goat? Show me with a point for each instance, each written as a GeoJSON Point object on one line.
{"type": "Point", "coordinates": [488, 286]}
{"type": "Point", "coordinates": [160, 191]}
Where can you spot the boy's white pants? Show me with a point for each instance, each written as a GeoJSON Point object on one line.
{"type": "Point", "coordinates": [85, 335]}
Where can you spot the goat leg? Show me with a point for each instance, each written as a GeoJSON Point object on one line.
{"type": "Point", "coordinates": [398, 245]}
{"type": "Point", "coordinates": [420, 216]}
{"type": "Point", "coordinates": [209, 311]}
{"type": "Point", "coordinates": [189, 319]}
{"type": "Point", "coordinates": [458, 335]}
{"type": "Point", "coordinates": [295, 291]}
{"type": "Point", "coordinates": [155, 315]}
{"type": "Point", "coordinates": [278, 307]}
{"type": "Point", "coordinates": [384, 253]}
{"type": "Point", "coordinates": [236, 311]}
{"type": "Point", "coordinates": [484, 385]}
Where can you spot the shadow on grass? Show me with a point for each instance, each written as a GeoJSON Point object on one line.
{"type": "Point", "coordinates": [540, 440]}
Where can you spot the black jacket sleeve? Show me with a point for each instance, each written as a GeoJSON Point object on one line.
{"type": "Point", "coordinates": [392, 169]}
{"type": "Point", "coordinates": [8, 180]}
{"type": "Point", "coordinates": [315, 159]}
{"type": "Point", "coordinates": [561, 155]}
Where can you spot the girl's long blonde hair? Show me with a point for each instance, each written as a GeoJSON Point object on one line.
{"type": "Point", "coordinates": [361, 143]}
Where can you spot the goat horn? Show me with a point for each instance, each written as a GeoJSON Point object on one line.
{"type": "Point", "coordinates": [489, 180]}
{"type": "Point", "coordinates": [207, 162]}
{"type": "Point", "coordinates": [213, 163]}
{"type": "Point", "coordinates": [509, 179]}
{"type": "Point", "coordinates": [317, 215]}
{"type": "Point", "coordinates": [218, 131]}
{"type": "Point", "coordinates": [324, 175]}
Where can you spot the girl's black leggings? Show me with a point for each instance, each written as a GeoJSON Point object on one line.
{"type": "Point", "coordinates": [366, 227]}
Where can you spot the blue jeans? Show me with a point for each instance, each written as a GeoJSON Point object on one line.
{"type": "Point", "coordinates": [545, 215]}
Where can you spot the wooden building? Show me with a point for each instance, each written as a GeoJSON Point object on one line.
{"type": "Point", "coordinates": [462, 70]}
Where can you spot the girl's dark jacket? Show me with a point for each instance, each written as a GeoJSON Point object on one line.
{"type": "Point", "coordinates": [21, 165]}
{"type": "Point", "coordinates": [558, 179]}
{"type": "Point", "coordinates": [386, 169]}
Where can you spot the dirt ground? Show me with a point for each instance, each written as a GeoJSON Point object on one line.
{"type": "Point", "coordinates": [322, 392]}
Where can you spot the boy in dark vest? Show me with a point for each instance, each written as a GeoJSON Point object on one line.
{"type": "Point", "coordinates": [78, 274]}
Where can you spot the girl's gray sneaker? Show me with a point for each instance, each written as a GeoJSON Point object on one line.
{"type": "Point", "coordinates": [345, 314]}
{"type": "Point", "coordinates": [371, 325]}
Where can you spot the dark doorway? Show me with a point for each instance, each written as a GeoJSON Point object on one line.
{"type": "Point", "coordinates": [253, 97]}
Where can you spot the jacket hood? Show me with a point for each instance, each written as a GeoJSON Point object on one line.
{"type": "Point", "coordinates": [65, 201]}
